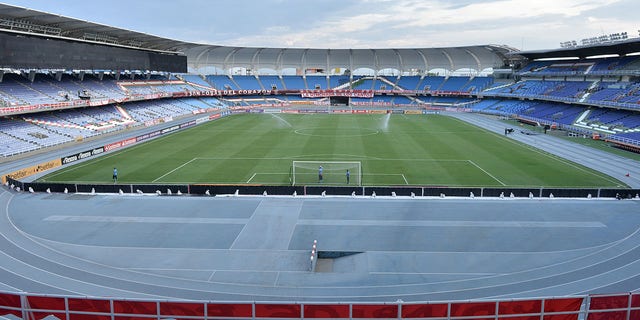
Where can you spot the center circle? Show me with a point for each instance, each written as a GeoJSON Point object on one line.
{"type": "Point", "coordinates": [333, 132]}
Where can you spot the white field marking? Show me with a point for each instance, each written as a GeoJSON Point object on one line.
{"type": "Point", "coordinates": [211, 276]}
{"type": "Point", "coordinates": [253, 176]}
{"type": "Point", "coordinates": [405, 179]}
{"type": "Point", "coordinates": [321, 155]}
{"type": "Point", "coordinates": [174, 170]}
{"type": "Point", "coordinates": [544, 153]}
{"type": "Point", "coordinates": [485, 171]}
{"type": "Point", "coordinates": [315, 156]}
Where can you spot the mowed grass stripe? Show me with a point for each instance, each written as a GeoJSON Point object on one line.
{"type": "Point", "coordinates": [426, 150]}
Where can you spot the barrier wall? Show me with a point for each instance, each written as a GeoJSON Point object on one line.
{"type": "Point", "coordinates": [596, 307]}
{"type": "Point", "coordinates": [213, 190]}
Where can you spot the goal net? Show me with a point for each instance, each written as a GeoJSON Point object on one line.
{"type": "Point", "coordinates": [326, 173]}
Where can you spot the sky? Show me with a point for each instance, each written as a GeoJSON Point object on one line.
{"type": "Point", "coordinates": [336, 24]}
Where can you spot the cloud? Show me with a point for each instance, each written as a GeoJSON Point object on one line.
{"type": "Point", "coordinates": [536, 24]}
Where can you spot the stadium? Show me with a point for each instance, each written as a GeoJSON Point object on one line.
{"type": "Point", "coordinates": [151, 178]}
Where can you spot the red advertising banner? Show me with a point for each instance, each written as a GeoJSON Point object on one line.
{"type": "Point", "coordinates": [467, 309]}
{"type": "Point", "coordinates": [264, 310]}
{"type": "Point", "coordinates": [230, 310]}
{"type": "Point", "coordinates": [89, 305]}
{"type": "Point", "coordinates": [425, 310]}
{"type": "Point", "coordinates": [520, 307]}
{"type": "Point", "coordinates": [177, 309]}
{"type": "Point", "coordinates": [351, 93]}
{"type": "Point", "coordinates": [326, 311]}
{"type": "Point", "coordinates": [135, 307]}
{"type": "Point", "coordinates": [374, 311]}
{"type": "Point", "coordinates": [10, 304]}
{"type": "Point", "coordinates": [598, 304]}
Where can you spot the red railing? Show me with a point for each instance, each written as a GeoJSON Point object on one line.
{"type": "Point", "coordinates": [595, 307]}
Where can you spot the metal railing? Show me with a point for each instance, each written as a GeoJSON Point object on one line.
{"type": "Point", "coordinates": [624, 306]}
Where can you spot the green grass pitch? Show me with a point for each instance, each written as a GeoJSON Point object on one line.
{"type": "Point", "coordinates": [429, 150]}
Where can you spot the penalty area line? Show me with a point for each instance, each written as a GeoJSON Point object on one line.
{"type": "Point", "coordinates": [174, 170]}
{"type": "Point", "coordinates": [485, 171]}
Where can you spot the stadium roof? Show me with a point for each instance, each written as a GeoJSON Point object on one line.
{"type": "Point", "coordinates": [23, 20]}
{"type": "Point", "coordinates": [619, 48]}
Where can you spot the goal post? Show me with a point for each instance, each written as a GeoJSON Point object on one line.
{"type": "Point", "coordinates": [333, 173]}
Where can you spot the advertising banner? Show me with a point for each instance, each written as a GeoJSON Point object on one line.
{"type": "Point", "coordinates": [81, 155]}
{"type": "Point", "coordinates": [29, 171]}
{"type": "Point", "coordinates": [147, 136]}
{"type": "Point", "coordinates": [351, 93]}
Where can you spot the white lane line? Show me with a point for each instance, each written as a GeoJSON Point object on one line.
{"type": "Point", "coordinates": [487, 173]}
{"type": "Point", "coordinates": [405, 180]}
{"type": "Point", "coordinates": [253, 176]}
{"type": "Point", "coordinates": [144, 219]}
{"type": "Point", "coordinates": [174, 170]}
{"type": "Point", "coordinates": [454, 223]}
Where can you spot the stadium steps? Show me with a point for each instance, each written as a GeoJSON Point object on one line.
{"type": "Point", "coordinates": [585, 96]}
{"type": "Point", "coordinates": [13, 98]}
{"type": "Point", "coordinates": [124, 113]}
{"type": "Point", "coordinates": [234, 82]}
{"type": "Point", "coordinates": [388, 82]}
{"type": "Point", "coordinates": [43, 123]}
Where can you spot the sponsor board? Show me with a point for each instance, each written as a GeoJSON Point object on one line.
{"type": "Point", "coordinates": [212, 93]}
{"type": "Point", "coordinates": [202, 120]}
{"type": "Point", "coordinates": [289, 111]}
{"type": "Point", "coordinates": [341, 111]}
{"type": "Point", "coordinates": [378, 111]}
{"type": "Point", "coordinates": [214, 116]}
{"type": "Point", "coordinates": [188, 124]}
{"type": "Point", "coordinates": [256, 111]}
{"type": "Point", "coordinates": [397, 111]}
{"type": "Point", "coordinates": [147, 136]}
{"type": "Point", "coordinates": [82, 155]}
{"type": "Point", "coordinates": [413, 112]}
{"type": "Point", "coordinates": [312, 111]}
{"type": "Point", "coordinates": [271, 110]}
{"type": "Point", "coordinates": [352, 93]}
{"type": "Point", "coordinates": [170, 129]}
{"type": "Point", "coordinates": [360, 111]}
{"type": "Point", "coordinates": [29, 171]}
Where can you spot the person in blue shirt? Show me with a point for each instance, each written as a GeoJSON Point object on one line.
{"type": "Point", "coordinates": [348, 174]}
{"type": "Point", "coordinates": [115, 175]}
{"type": "Point", "coordinates": [320, 174]}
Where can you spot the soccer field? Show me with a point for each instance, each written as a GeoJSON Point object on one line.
{"type": "Point", "coordinates": [430, 150]}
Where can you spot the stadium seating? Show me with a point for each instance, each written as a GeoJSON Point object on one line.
{"type": "Point", "coordinates": [248, 83]}
{"type": "Point", "coordinates": [271, 82]}
{"type": "Point", "coordinates": [293, 82]}
{"type": "Point", "coordinates": [453, 84]}
{"type": "Point", "coordinates": [477, 84]}
{"type": "Point", "coordinates": [535, 98]}
{"type": "Point", "coordinates": [221, 82]}
{"type": "Point", "coordinates": [317, 82]}
{"type": "Point", "coordinates": [195, 79]}
{"type": "Point", "coordinates": [431, 83]}
{"type": "Point", "coordinates": [409, 82]}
